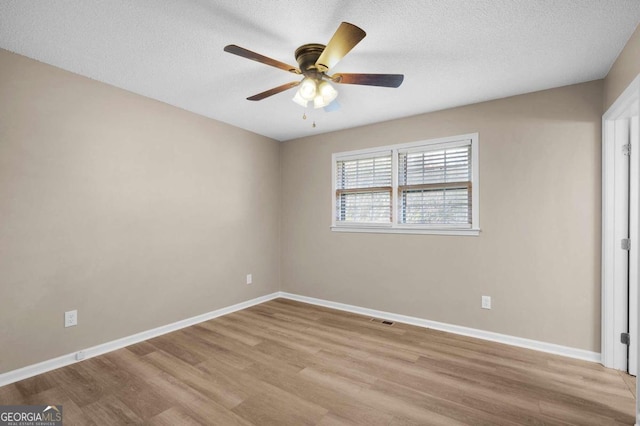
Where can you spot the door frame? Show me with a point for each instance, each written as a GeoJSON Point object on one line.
{"type": "Point", "coordinates": [613, 298]}
{"type": "Point", "coordinates": [627, 105]}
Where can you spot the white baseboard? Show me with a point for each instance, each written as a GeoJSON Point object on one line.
{"type": "Point", "coordinates": [456, 329]}
{"type": "Point", "coordinates": [61, 361]}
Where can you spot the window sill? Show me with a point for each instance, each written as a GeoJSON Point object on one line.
{"type": "Point", "coordinates": [387, 230]}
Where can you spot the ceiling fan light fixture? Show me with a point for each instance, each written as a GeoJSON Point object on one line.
{"type": "Point", "coordinates": [319, 102]}
{"type": "Point", "coordinates": [308, 89]}
{"type": "Point", "coordinates": [326, 95]}
{"type": "Point", "coordinates": [300, 100]}
{"type": "Point", "coordinates": [327, 91]}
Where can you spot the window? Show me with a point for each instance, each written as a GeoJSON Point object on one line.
{"type": "Point", "coordinates": [422, 187]}
{"type": "Point", "coordinates": [364, 188]}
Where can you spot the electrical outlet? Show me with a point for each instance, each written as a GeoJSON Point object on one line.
{"type": "Point", "coordinates": [249, 279]}
{"type": "Point", "coordinates": [486, 302]}
{"type": "Point", "coordinates": [71, 318]}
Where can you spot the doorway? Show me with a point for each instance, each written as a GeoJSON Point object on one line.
{"type": "Point", "coordinates": [620, 233]}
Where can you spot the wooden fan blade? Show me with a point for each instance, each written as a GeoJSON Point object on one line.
{"type": "Point", "coordinates": [241, 51]}
{"type": "Point", "coordinates": [271, 92]}
{"type": "Point", "coordinates": [384, 80]}
{"type": "Point", "coordinates": [344, 39]}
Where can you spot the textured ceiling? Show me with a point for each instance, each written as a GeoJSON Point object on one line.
{"type": "Point", "coordinates": [451, 52]}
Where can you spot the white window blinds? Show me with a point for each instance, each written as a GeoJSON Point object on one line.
{"type": "Point", "coordinates": [434, 185]}
{"type": "Point", "coordinates": [423, 187]}
{"type": "Point", "coordinates": [363, 189]}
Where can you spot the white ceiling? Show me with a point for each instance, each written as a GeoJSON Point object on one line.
{"type": "Point", "coordinates": [452, 52]}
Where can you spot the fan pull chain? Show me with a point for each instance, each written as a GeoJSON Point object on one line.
{"type": "Point", "coordinates": [304, 117]}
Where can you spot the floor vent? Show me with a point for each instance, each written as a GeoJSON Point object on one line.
{"type": "Point", "coordinates": [381, 321]}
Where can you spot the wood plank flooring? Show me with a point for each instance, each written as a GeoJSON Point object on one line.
{"type": "Point", "coordinates": [289, 363]}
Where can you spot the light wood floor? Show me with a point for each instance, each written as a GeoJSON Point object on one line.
{"type": "Point", "coordinates": [289, 363]}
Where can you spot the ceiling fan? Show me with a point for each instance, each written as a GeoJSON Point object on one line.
{"type": "Point", "coordinates": [314, 61]}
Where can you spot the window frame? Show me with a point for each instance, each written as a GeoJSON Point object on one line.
{"type": "Point", "coordinates": [398, 228]}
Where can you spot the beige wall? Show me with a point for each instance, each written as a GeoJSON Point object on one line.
{"type": "Point", "coordinates": [134, 212]}
{"type": "Point", "coordinates": [538, 254]}
{"type": "Point", "coordinates": [624, 70]}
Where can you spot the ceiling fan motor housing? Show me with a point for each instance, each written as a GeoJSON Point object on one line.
{"type": "Point", "coordinates": [306, 56]}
